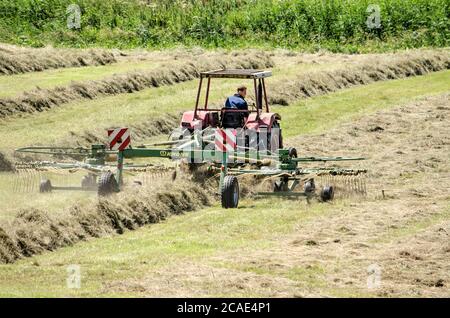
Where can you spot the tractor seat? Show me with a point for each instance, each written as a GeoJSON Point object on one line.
{"type": "Point", "coordinates": [232, 119]}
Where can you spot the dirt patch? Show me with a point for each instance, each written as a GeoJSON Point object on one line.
{"type": "Point", "coordinates": [365, 71]}
{"type": "Point", "coordinates": [15, 60]}
{"type": "Point", "coordinates": [44, 99]}
{"type": "Point", "coordinates": [34, 231]}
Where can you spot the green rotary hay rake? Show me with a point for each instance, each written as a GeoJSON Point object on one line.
{"type": "Point", "coordinates": [232, 143]}
{"type": "Point", "coordinates": [283, 168]}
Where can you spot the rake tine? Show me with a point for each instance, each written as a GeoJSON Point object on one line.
{"type": "Point", "coordinates": [15, 180]}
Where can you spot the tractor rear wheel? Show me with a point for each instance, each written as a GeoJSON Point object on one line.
{"type": "Point", "coordinates": [107, 184]}
{"type": "Point", "coordinates": [45, 186]}
{"type": "Point", "coordinates": [230, 192]}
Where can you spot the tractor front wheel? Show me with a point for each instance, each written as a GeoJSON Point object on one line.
{"type": "Point", "coordinates": [107, 184]}
{"type": "Point", "coordinates": [230, 192]}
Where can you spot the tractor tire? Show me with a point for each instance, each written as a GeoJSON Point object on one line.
{"type": "Point", "coordinates": [107, 184]}
{"type": "Point", "coordinates": [230, 192]}
{"type": "Point", "coordinates": [45, 186]}
{"type": "Point", "coordinates": [327, 193]}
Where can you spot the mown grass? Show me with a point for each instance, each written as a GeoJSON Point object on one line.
{"type": "Point", "coordinates": [124, 109]}
{"type": "Point", "coordinates": [200, 236]}
{"type": "Point", "coordinates": [415, 227]}
{"type": "Point", "coordinates": [319, 113]}
{"type": "Point", "coordinates": [189, 237]}
{"type": "Point", "coordinates": [21, 192]}
{"type": "Point", "coordinates": [307, 116]}
{"type": "Point", "coordinates": [13, 85]}
{"type": "Point", "coordinates": [333, 24]}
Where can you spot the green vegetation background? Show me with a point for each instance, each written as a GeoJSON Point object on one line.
{"type": "Point", "coordinates": [337, 25]}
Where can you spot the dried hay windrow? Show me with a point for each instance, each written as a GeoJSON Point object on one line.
{"type": "Point", "coordinates": [142, 130]}
{"type": "Point", "coordinates": [43, 99]}
{"type": "Point", "coordinates": [5, 163]}
{"type": "Point", "coordinates": [97, 135]}
{"type": "Point", "coordinates": [34, 231]}
{"type": "Point", "coordinates": [380, 68]}
{"type": "Point", "coordinates": [16, 60]}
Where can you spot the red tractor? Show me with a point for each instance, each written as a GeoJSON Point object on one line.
{"type": "Point", "coordinates": [257, 118]}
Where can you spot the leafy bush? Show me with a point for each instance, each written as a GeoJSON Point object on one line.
{"type": "Point", "coordinates": [339, 25]}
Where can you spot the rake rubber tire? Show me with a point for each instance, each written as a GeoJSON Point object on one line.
{"type": "Point", "coordinates": [107, 184]}
{"type": "Point", "coordinates": [327, 193]}
{"type": "Point", "coordinates": [45, 186]}
{"type": "Point", "coordinates": [309, 186]}
{"type": "Point", "coordinates": [230, 192]}
{"type": "Point", "coordinates": [292, 152]}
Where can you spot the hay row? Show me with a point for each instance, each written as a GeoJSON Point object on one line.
{"type": "Point", "coordinates": [5, 163]}
{"type": "Point", "coordinates": [44, 99]}
{"type": "Point", "coordinates": [380, 68]}
{"type": "Point", "coordinates": [33, 231]}
{"type": "Point", "coordinates": [16, 60]}
{"type": "Point", "coordinates": [140, 131]}
{"type": "Point", "coordinates": [304, 86]}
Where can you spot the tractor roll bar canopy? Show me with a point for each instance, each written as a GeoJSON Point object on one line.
{"type": "Point", "coordinates": [239, 73]}
{"type": "Point", "coordinates": [257, 76]}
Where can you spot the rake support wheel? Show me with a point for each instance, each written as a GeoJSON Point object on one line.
{"type": "Point", "coordinates": [107, 184]}
{"type": "Point", "coordinates": [327, 193]}
{"type": "Point", "coordinates": [230, 192]}
{"type": "Point", "coordinates": [292, 152]}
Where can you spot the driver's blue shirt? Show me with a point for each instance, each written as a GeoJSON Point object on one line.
{"type": "Point", "coordinates": [236, 101]}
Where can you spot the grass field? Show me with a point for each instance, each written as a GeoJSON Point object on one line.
{"type": "Point", "coordinates": [282, 247]}
{"type": "Point", "coordinates": [301, 118]}
{"type": "Point", "coordinates": [11, 86]}
{"type": "Point", "coordinates": [266, 247]}
{"type": "Point", "coordinates": [132, 109]}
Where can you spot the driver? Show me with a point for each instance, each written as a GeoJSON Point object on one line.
{"type": "Point", "coordinates": [238, 101]}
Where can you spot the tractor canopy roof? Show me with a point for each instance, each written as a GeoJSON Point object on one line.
{"type": "Point", "coordinates": [237, 73]}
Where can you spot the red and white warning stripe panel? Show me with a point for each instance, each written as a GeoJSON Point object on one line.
{"type": "Point", "coordinates": [225, 140]}
{"type": "Point", "coordinates": [119, 138]}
